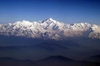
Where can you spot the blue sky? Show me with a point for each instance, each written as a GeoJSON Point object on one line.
{"type": "Point", "coordinates": [67, 11]}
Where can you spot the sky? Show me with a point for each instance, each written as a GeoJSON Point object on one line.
{"type": "Point", "coordinates": [67, 11]}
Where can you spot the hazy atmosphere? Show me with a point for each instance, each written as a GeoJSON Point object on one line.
{"type": "Point", "coordinates": [49, 33]}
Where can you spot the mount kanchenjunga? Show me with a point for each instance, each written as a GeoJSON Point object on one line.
{"type": "Point", "coordinates": [50, 29]}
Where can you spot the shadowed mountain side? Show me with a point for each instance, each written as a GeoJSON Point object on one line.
{"type": "Point", "coordinates": [7, 61]}
{"type": "Point", "coordinates": [24, 48]}
{"type": "Point", "coordinates": [50, 61]}
{"type": "Point", "coordinates": [13, 41]}
{"type": "Point", "coordinates": [95, 58]}
{"type": "Point", "coordinates": [64, 61]}
{"type": "Point", "coordinates": [23, 41]}
{"type": "Point", "coordinates": [56, 59]}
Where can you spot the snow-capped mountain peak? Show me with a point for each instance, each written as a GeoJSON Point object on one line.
{"type": "Point", "coordinates": [49, 20]}
{"type": "Point", "coordinates": [49, 29]}
{"type": "Point", "coordinates": [23, 22]}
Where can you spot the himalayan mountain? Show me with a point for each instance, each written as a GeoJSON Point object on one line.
{"type": "Point", "coordinates": [50, 29]}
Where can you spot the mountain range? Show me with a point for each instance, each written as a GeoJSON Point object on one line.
{"type": "Point", "coordinates": [50, 29]}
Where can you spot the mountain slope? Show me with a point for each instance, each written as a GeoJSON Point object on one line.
{"type": "Point", "coordinates": [49, 29]}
